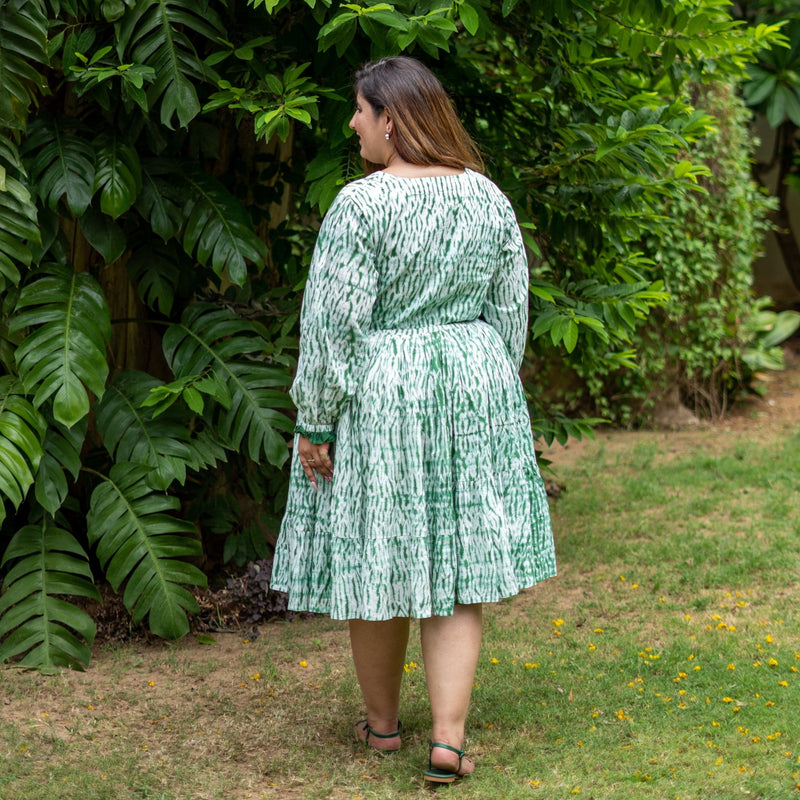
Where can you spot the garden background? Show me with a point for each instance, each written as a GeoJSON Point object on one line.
{"type": "Point", "coordinates": [164, 165]}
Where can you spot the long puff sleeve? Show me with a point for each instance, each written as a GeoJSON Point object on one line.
{"type": "Point", "coordinates": [336, 316]}
{"type": "Point", "coordinates": [506, 304]}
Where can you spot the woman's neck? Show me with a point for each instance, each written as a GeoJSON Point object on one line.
{"type": "Point", "coordinates": [404, 169]}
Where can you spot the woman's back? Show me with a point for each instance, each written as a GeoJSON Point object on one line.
{"type": "Point", "coordinates": [437, 243]}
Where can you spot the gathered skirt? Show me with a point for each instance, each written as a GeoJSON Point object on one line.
{"type": "Point", "coordinates": [436, 497]}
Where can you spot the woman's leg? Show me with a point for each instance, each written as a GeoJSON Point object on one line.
{"type": "Point", "coordinates": [450, 648]}
{"type": "Point", "coordinates": [379, 653]}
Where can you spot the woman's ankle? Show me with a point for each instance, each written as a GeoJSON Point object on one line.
{"type": "Point", "coordinates": [382, 735]}
{"type": "Point", "coordinates": [450, 758]}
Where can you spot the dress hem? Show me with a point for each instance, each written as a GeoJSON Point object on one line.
{"type": "Point", "coordinates": [323, 607]}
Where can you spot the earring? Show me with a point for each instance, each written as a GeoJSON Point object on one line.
{"type": "Point", "coordinates": [387, 135]}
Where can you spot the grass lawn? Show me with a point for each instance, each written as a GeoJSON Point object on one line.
{"type": "Point", "coordinates": [662, 663]}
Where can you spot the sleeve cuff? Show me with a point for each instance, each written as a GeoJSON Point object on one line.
{"type": "Point", "coordinates": [316, 434]}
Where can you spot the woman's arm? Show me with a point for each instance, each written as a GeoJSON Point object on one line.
{"type": "Point", "coordinates": [336, 316]}
{"type": "Point", "coordinates": [506, 304]}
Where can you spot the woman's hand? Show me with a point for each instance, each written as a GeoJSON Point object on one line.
{"type": "Point", "coordinates": [315, 458]}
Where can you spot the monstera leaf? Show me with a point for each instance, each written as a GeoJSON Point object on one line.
{"type": "Point", "coordinates": [23, 44]}
{"type": "Point", "coordinates": [61, 457]}
{"type": "Point", "coordinates": [49, 562]}
{"type": "Point", "coordinates": [158, 34]}
{"type": "Point", "coordinates": [155, 269]}
{"type": "Point", "coordinates": [139, 543]}
{"type": "Point", "coordinates": [131, 434]}
{"type": "Point", "coordinates": [62, 163]}
{"type": "Point", "coordinates": [63, 354]}
{"type": "Point", "coordinates": [212, 339]}
{"type": "Point", "coordinates": [181, 199]}
{"type": "Point", "coordinates": [119, 175]}
{"type": "Point", "coordinates": [160, 200]}
{"type": "Point", "coordinates": [22, 429]}
{"type": "Point", "coordinates": [218, 230]}
{"type": "Point", "coordinates": [18, 219]}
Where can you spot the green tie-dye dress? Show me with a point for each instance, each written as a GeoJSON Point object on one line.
{"type": "Point", "coordinates": [412, 332]}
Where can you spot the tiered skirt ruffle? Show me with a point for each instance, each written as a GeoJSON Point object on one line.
{"type": "Point", "coordinates": [436, 498]}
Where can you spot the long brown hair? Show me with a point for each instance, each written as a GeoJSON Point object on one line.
{"type": "Point", "coordinates": [427, 130]}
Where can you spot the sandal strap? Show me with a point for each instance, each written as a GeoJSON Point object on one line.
{"type": "Point", "coordinates": [377, 735]}
{"type": "Point", "coordinates": [459, 753]}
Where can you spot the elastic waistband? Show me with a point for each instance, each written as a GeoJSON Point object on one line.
{"type": "Point", "coordinates": [411, 330]}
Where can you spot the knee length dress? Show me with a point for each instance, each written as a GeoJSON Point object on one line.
{"type": "Point", "coordinates": [412, 332]}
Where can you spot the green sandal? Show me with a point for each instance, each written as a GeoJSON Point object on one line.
{"type": "Point", "coordinates": [437, 775]}
{"type": "Point", "coordinates": [363, 726]}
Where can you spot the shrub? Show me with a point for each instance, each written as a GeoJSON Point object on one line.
{"type": "Point", "coordinates": [701, 344]}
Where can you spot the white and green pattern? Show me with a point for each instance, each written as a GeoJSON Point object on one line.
{"type": "Point", "coordinates": [413, 329]}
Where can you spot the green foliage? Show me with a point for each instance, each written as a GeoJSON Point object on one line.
{"type": "Point", "coordinates": [118, 177]}
{"type": "Point", "coordinates": [23, 45]}
{"type": "Point", "coordinates": [63, 166]}
{"type": "Point", "coordinates": [218, 232]}
{"type": "Point", "coordinates": [180, 199]}
{"type": "Point", "coordinates": [210, 349]}
{"type": "Point", "coordinates": [165, 35]}
{"type": "Point", "coordinates": [63, 354]}
{"type": "Point", "coordinates": [139, 544]}
{"type": "Point", "coordinates": [61, 457]}
{"type": "Point", "coordinates": [130, 433]}
{"type": "Point", "coordinates": [159, 143]}
{"type": "Point", "coordinates": [18, 216]}
{"type": "Point", "coordinates": [773, 85]}
{"type": "Point", "coordinates": [773, 89]}
{"type": "Point", "coordinates": [764, 330]}
{"type": "Point", "coordinates": [703, 341]}
{"type": "Point", "coordinates": [48, 561]}
{"type": "Point", "coordinates": [21, 431]}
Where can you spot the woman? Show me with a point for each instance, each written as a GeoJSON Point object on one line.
{"type": "Point", "coordinates": [413, 328]}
